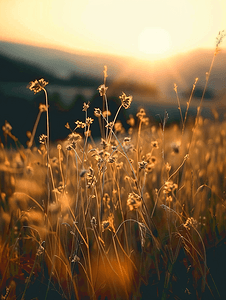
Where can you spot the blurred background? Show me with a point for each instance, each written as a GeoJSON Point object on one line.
{"type": "Point", "coordinates": [147, 46]}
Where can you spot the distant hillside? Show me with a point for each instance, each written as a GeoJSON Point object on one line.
{"type": "Point", "coordinates": [74, 79]}
{"type": "Point", "coordinates": [151, 78]}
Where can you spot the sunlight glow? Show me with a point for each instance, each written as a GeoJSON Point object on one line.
{"type": "Point", "coordinates": [154, 41]}
{"type": "Point", "coordinates": [142, 29]}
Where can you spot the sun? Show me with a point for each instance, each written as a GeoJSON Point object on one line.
{"type": "Point", "coordinates": [154, 43]}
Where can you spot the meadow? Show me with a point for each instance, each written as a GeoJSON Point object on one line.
{"type": "Point", "coordinates": [137, 214]}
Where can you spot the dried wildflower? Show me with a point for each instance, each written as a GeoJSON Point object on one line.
{"type": "Point", "coordinates": [89, 121]}
{"type": "Point", "coordinates": [118, 126]}
{"type": "Point", "coordinates": [41, 249]}
{"type": "Point", "coordinates": [102, 89]}
{"type": "Point", "coordinates": [175, 147]}
{"type": "Point", "coordinates": [109, 125]}
{"type": "Point", "coordinates": [106, 113]}
{"type": "Point", "coordinates": [104, 143]}
{"type": "Point", "coordinates": [169, 199]}
{"type": "Point", "coordinates": [108, 224]}
{"type": "Point", "coordinates": [42, 139]}
{"type": "Point", "coordinates": [37, 85]}
{"type": "Point", "coordinates": [112, 159]}
{"type": "Point", "coordinates": [127, 139]}
{"type": "Point", "coordinates": [105, 225]}
{"type": "Point", "coordinates": [142, 165]}
{"type": "Point", "coordinates": [42, 107]}
{"type": "Point", "coordinates": [125, 100]}
{"type": "Point", "coordinates": [97, 112]}
{"type": "Point", "coordinates": [169, 187]}
{"type": "Point", "coordinates": [75, 259]}
{"type": "Point", "coordinates": [131, 121]}
{"type": "Point", "coordinates": [190, 222]}
{"type": "Point", "coordinates": [7, 127]}
{"type": "Point", "coordinates": [141, 114]}
{"type": "Point", "coordinates": [67, 125]}
{"type": "Point", "coordinates": [93, 222]}
{"type": "Point", "coordinates": [133, 201]}
{"type": "Point", "coordinates": [74, 137]}
{"type": "Point", "coordinates": [85, 106]}
{"type": "Point", "coordinates": [80, 124]}
{"type": "Point", "coordinates": [91, 178]}
{"type": "Point", "coordinates": [155, 144]}
{"type": "Point", "coordinates": [149, 168]}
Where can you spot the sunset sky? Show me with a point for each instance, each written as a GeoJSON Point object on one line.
{"type": "Point", "coordinates": [145, 29]}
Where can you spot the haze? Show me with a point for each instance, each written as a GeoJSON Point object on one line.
{"type": "Point", "coordinates": [146, 30]}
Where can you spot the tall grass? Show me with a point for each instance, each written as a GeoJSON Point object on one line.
{"type": "Point", "coordinates": [133, 216]}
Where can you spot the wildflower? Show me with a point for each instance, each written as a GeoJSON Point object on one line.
{"type": "Point", "coordinates": [118, 126]}
{"type": "Point", "coordinates": [7, 127]}
{"type": "Point", "coordinates": [97, 112]}
{"type": "Point", "coordinates": [106, 113]}
{"type": "Point", "coordinates": [175, 147]}
{"type": "Point", "coordinates": [109, 125]}
{"type": "Point", "coordinates": [67, 125]}
{"type": "Point", "coordinates": [74, 137]}
{"type": "Point", "coordinates": [142, 165]}
{"type": "Point", "coordinates": [155, 144]}
{"type": "Point", "coordinates": [102, 89]}
{"type": "Point", "coordinates": [125, 100]}
{"type": "Point", "coordinates": [169, 199]}
{"type": "Point", "coordinates": [127, 139]}
{"type": "Point", "coordinates": [131, 121]}
{"type": "Point", "coordinates": [42, 139]}
{"type": "Point", "coordinates": [93, 222]}
{"type": "Point", "coordinates": [141, 114]}
{"type": "Point", "coordinates": [190, 222]}
{"type": "Point", "coordinates": [112, 159]}
{"type": "Point", "coordinates": [105, 225]}
{"type": "Point", "coordinates": [41, 249]}
{"type": "Point", "coordinates": [91, 178]}
{"type": "Point", "coordinates": [108, 224]}
{"type": "Point", "coordinates": [89, 121]}
{"type": "Point", "coordinates": [80, 124]}
{"type": "Point", "coordinates": [75, 259]}
{"type": "Point", "coordinates": [133, 201]}
{"type": "Point", "coordinates": [37, 85]}
{"type": "Point", "coordinates": [42, 107]}
{"type": "Point", "coordinates": [169, 187]}
{"type": "Point", "coordinates": [85, 106]}
{"type": "Point", "coordinates": [149, 168]}
{"type": "Point", "coordinates": [104, 143]}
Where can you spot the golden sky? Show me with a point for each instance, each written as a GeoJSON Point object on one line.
{"type": "Point", "coordinates": [145, 29]}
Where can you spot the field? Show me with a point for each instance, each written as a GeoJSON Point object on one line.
{"type": "Point", "coordinates": [134, 215]}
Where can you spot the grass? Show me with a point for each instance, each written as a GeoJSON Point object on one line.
{"type": "Point", "coordinates": [136, 215]}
